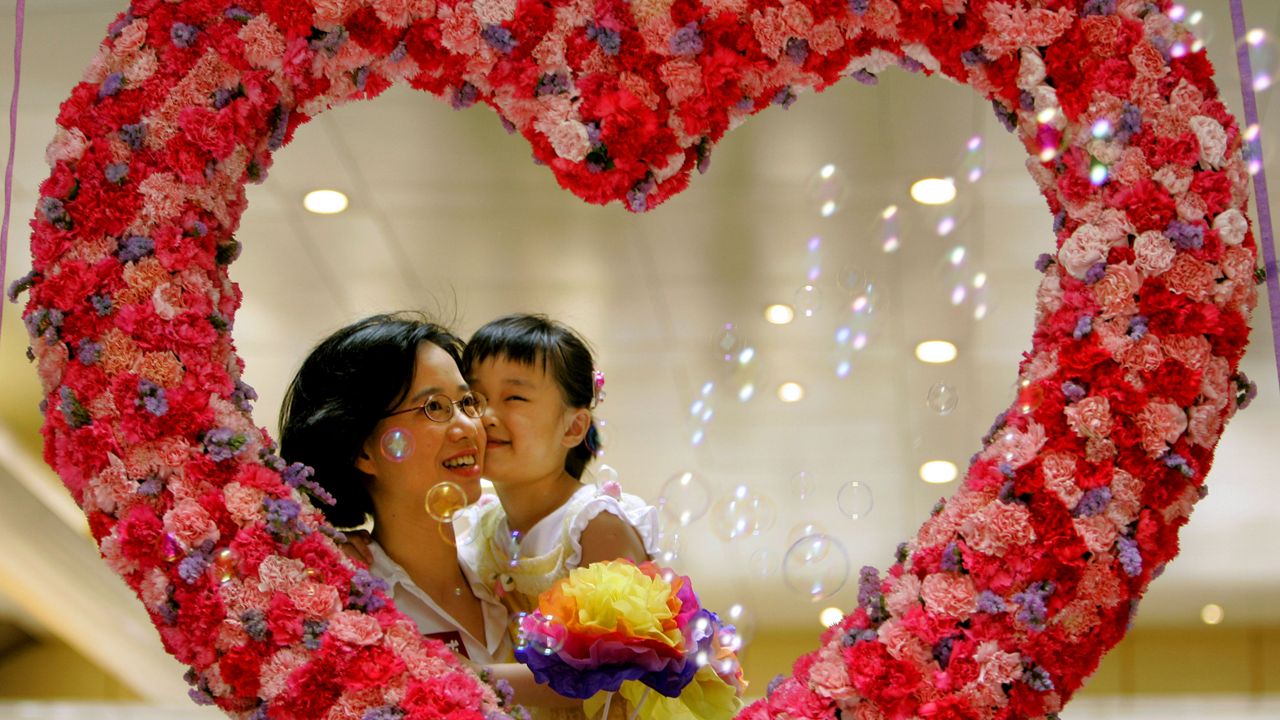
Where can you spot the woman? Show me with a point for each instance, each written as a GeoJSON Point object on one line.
{"type": "Point", "coordinates": [381, 412]}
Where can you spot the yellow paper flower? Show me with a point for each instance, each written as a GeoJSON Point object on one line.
{"type": "Point", "coordinates": [616, 597]}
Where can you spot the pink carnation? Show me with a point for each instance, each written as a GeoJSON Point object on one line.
{"type": "Point", "coordinates": [263, 43]}
{"type": "Point", "coordinates": [316, 601]}
{"type": "Point", "coordinates": [280, 574]}
{"type": "Point", "coordinates": [828, 678]}
{"type": "Point", "coordinates": [460, 30]}
{"type": "Point", "coordinates": [1091, 417]}
{"type": "Point", "coordinates": [400, 13]}
{"type": "Point", "coordinates": [1193, 351]}
{"type": "Point", "coordinates": [1204, 425]}
{"type": "Point", "coordinates": [1096, 531]}
{"type": "Point", "coordinates": [1161, 424]}
{"type": "Point", "coordinates": [1116, 291]}
{"type": "Point", "coordinates": [997, 526]}
{"type": "Point", "coordinates": [355, 628]}
{"type": "Point", "coordinates": [949, 595]}
{"type": "Point", "coordinates": [190, 524]}
{"type": "Point", "coordinates": [903, 595]}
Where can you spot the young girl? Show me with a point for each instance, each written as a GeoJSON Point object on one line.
{"type": "Point", "coordinates": [542, 384]}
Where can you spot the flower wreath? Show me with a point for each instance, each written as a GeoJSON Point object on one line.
{"type": "Point", "coordinates": [1010, 593]}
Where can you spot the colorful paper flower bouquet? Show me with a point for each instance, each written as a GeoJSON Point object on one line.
{"type": "Point", "coordinates": [635, 630]}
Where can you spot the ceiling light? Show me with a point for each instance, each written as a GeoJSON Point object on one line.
{"type": "Point", "coordinates": [938, 472]}
{"type": "Point", "coordinates": [1211, 614]}
{"type": "Point", "coordinates": [933, 191]}
{"type": "Point", "coordinates": [935, 351]}
{"type": "Point", "coordinates": [779, 314]}
{"type": "Point", "coordinates": [830, 616]}
{"type": "Point", "coordinates": [790, 392]}
{"type": "Point", "coordinates": [325, 202]}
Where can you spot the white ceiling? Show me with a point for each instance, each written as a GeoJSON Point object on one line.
{"type": "Point", "coordinates": [449, 214]}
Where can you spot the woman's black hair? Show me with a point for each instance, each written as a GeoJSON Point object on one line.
{"type": "Point", "coordinates": [529, 339]}
{"type": "Point", "coordinates": [345, 386]}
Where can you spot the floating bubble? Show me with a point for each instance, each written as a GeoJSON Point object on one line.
{"type": "Point", "coordinates": [804, 529]}
{"type": "Point", "coordinates": [975, 159]}
{"type": "Point", "coordinates": [544, 635]}
{"type": "Point", "coordinates": [670, 545]}
{"type": "Point", "coordinates": [226, 565]}
{"type": "Point", "coordinates": [853, 280]}
{"type": "Point", "coordinates": [854, 499]}
{"type": "Point", "coordinates": [521, 640]}
{"type": "Point", "coordinates": [764, 562]}
{"type": "Point", "coordinates": [461, 532]}
{"type": "Point", "coordinates": [685, 497]}
{"type": "Point", "coordinates": [605, 474]}
{"type": "Point", "coordinates": [1098, 173]}
{"type": "Point", "coordinates": [808, 300]}
{"type": "Point", "coordinates": [1194, 21]}
{"type": "Point", "coordinates": [890, 235]}
{"type": "Point", "coordinates": [802, 485]}
{"type": "Point", "coordinates": [172, 548]}
{"type": "Point", "coordinates": [397, 444]}
{"type": "Point", "coordinates": [728, 343]}
{"type": "Point", "coordinates": [512, 542]}
{"type": "Point", "coordinates": [1264, 59]}
{"type": "Point", "coordinates": [816, 566]}
{"type": "Point", "coordinates": [814, 247]}
{"type": "Point", "coordinates": [444, 499]}
{"type": "Point", "coordinates": [1252, 150]}
{"type": "Point", "coordinates": [1030, 397]}
{"type": "Point", "coordinates": [742, 620]}
{"type": "Point", "coordinates": [742, 513]}
{"type": "Point", "coordinates": [828, 189]}
{"type": "Point", "coordinates": [942, 398]}
{"type": "Point", "coordinates": [604, 436]}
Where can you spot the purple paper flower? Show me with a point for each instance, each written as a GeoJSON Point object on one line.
{"type": "Point", "coordinates": [1038, 678]}
{"type": "Point", "coordinates": [192, 567]}
{"type": "Point", "coordinates": [686, 40]}
{"type": "Point", "coordinates": [1033, 612]}
{"type": "Point", "coordinates": [952, 560]}
{"type": "Point", "coordinates": [55, 212]}
{"type": "Point", "coordinates": [1007, 117]}
{"type": "Point", "coordinates": [313, 632]}
{"type": "Point", "coordinates": [974, 56]}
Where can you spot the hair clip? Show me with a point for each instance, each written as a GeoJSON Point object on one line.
{"type": "Point", "coordinates": [597, 388]}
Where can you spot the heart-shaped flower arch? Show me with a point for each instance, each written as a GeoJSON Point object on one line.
{"type": "Point", "coordinates": [1010, 593]}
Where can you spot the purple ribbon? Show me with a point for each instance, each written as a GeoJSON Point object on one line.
{"type": "Point", "coordinates": [1265, 239]}
{"type": "Point", "coordinates": [20, 17]}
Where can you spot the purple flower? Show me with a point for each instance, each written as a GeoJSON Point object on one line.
{"type": "Point", "coordinates": [464, 97]}
{"type": "Point", "coordinates": [638, 196]}
{"type": "Point", "coordinates": [1096, 272]}
{"type": "Point", "coordinates": [134, 135]}
{"type": "Point", "coordinates": [859, 7]}
{"type": "Point", "coordinates": [1032, 612]}
{"type": "Point", "coordinates": [312, 632]}
{"type": "Point", "coordinates": [499, 38]}
{"type": "Point", "coordinates": [399, 52]}
{"type": "Point", "coordinates": [784, 97]}
{"type": "Point", "coordinates": [135, 247]}
{"type": "Point", "coordinates": [75, 413]}
{"type": "Point", "coordinates": [553, 83]}
{"type": "Point", "coordinates": [686, 40]}
{"type": "Point", "coordinates": [1072, 391]}
{"type": "Point", "coordinates": [361, 77]}
{"type": "Point", "coordinates": [151, 486]}
{"type": "Point", "coordinates": [1038, 678]}
{"type": "Point", "coordinates": [22, 285]}
{"type": "Point", "coordinates": [1099, 7]}
{"type": "Point", "coordinates": [1007, 117]}
{"type": "Point", "coordinates": [974, 56]}
{"type": "Point", "coordinates": [910, 64]}
{"type": "Point", "coordinates": [902, 552]}
{"type": "Point", "coordinates": [237, 14]}
{"type": "Point", "coordinates": [117, 27]}
{"type": "Point", "coordinates": [864, 77]}
{"type": "Point", "coordinates": [115, 173]}
{"type": "Point", "coordinates": [222, 97]}
{"type": "Point", "coordinates": [1246, 390]}
{"type": "Point", "coordinates": [368, 592]}
{"type": "Point", "coordinates": [200, 697]}
{"type": "Point", "coordinates": [298, 475]}
{"type": "Point", "coordinates": [1130, 122]}
{"type": "Point", "coordinates": [55, 212]}
{"type": "Point", "coordinates": [1026, 101]}
{"type": "Point", "coordinates": [952, 560]}
{"type": "Point", "coordinates": [1059, 221]}
{"type": "Point", "coordinates": [88, 352]}
{"type": "Point", "coordinates": [111, 85]}
{"type": "Point", "coordinates": [152, 397]}
{"type": "Point", "coordinates": [1130, 557]}
{"type": "Point", "coordinates": [223, 443]}
{"type": "Point", "coordinates": [1084, 326]}
{"type": "Point", "coordinates": [1044, 261]}
{"type": "Point", "coordinates": [243, 396]}
{"type": "Point", "coordinates": [704, 155]}
{"type": "Point", "coordinates": [281, 512]}
{"type": "Point", "coordinates": [383, 713]}
{"type": "Point", "coordinates": [990, 603]}
{"type": "Point", "coordinates": [774, 683]}
{"type": "Point", "coordinates": [279, 127]}
{"type": "Point", "coordinates": [329, 42]}
{"type": "Point", "coordinates": [183, 35]}
{"type": "Point", "coordinates": [1138, 326]}
{"type": "Point", "coordinates": [1093, 502]}
{"type": "Point", "coordinates": [1186, 236]}
{"type": "Point", "coordinates": [610, 40]}
{"type": "Point", "coordinates": [101, 304]}
{"type": "Point", "coordinates": [942, 652]}
{"type": "Point", "coordinates": [797, 50]}
{"type": "Point", "coordinates": [1179, 463]}
{"type": "Point", "coordinates": [192, 567]}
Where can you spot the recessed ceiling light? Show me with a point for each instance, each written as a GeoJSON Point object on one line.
{"type": "Point", "coordinates": [933, 191]}
{"type": "Point", "coordinates": [938, 472]}
{"type": "Point", "coordinates": [830, 616]}
{"type": "Point", "coordinates": [935, 351]}
{"type": "Point", "coordinates": [779, 314]}
{"type": "Point", "coordinates": [1211, 614]}
{"type": "Point", "coordinates": [325, 202]}
{"type": "Point", "coordinates": [790, 392]}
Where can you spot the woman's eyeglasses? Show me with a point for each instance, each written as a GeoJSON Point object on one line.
{"type": "Point", "coordinates": [439, 408]}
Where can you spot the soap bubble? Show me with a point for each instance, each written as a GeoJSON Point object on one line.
{"type": "Point", "coordinates": [816, 566]}
{"type": "Point", "coordinates": [226, 565]}
{"type": "Point", "coordinates": [742, 620]}
{"type": "Point", "coordinates": [742, 513]}
{"type": "Point", "coordinates": [728, 342]}
{"type": "Point", "coordinates": [444, 499]}
{"type": "Point", "coordinates": [605, 474]}
{"type": "Point", "coordinates": [975, 159]}
{"type": "Point", "coordinates": [685, 497]}
{"type": "Point", "coordinates": [803, 529]}
{"type": "Point", "coordinates": [764, 562]}
{"type": "Point", "coordinates": [670, 545]}
{"type": "Point", "coordinates": [397, 444]}
{"type": "Point", "coordinates": [890, 233]}
{"type": "Point", "coordinates": [808, 300]}
{"type": "Point", "coordinates": [942, 398]}
{"type": "Point", "coordinates": [854, 500]}
{"type": "Point", "coordinates": [828, 189]}
{"type": "Point", "coordinates": [802, 485]}
{"type": "Point", "coordinates": [543, 635]}
{"type": "Point", "coordinates": [1264, 59]}
{"type": "Point", "coordinates": [1197, 22]}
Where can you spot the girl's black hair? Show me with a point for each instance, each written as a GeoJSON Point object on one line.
{"type": "Point", "coordinates": [529, 339]}
{"type": "Point", "coordinates": [345, 386]}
